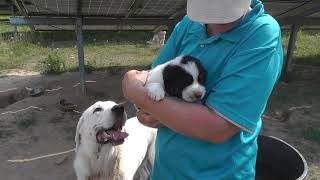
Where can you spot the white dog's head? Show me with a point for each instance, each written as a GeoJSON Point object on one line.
{"type": "Point", "coordinates": [102, 123]}
{"type": "Point", "coordinates": [184, 77]}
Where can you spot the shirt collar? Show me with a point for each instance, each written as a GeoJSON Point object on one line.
{"type": "Point", "coordinates": [198, 30]}
{"type": "Point", "coordinates": [234, 35]}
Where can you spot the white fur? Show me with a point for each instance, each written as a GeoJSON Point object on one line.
{"type": "Point", "coordinates": [155, 84]}
{"type": "Point", "coordinates": [131, 160]}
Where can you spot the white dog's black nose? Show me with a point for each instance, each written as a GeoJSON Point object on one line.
{"type": "Point", "coordinates": [118, 109]}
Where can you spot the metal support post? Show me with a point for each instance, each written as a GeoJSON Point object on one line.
{"type": "Point", "coordinates": [14, 26]}
{"type": "Point", "coordinates": [291, 45]}
{"type": "Point", "coordinates": [80, 53]}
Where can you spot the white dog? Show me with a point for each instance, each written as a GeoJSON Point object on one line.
{"type": "Point", "coordinates": [158, 38]}
{"type": "Point", "coordinates": [109, 147]}
{"type": "Point", "coordinates": [182, 77]}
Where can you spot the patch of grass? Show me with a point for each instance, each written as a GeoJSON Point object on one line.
{"type": "Point", "coordinates": [8, 28]}
{"type": "Point", "coordinates": [14, 54]}
{"type": "Point", "coordinates": [25, 123]}
{"type": "Point", "coordinates": [4, 17]}
{"type": "Point", "coordinates": [53, 64]}
{"type": "Point", "coordinates": [102, 56]}
{"type": "Point", "coordinates": [109, 49]}
{"type": "Point", "coordinates": [312, 134]}
{"type": "Point", "coordinates": [307, 47]}
{"type": "Point", "coordinates": [102, 50]}
{"type": "Point", "coordinates": [314, 172]}
{"type": "Point", "coordinates": [5, 28]}
{"type": "Point", "coordinates": [124, 54]}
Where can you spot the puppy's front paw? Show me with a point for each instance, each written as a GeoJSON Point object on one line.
{"type": "Point", "coordinates": [155, 91]}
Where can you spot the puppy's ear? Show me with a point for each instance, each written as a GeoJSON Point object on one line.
{"type": "Point", "coordinates": [202, 75]}
{"type": "Point", "coordinates": [175, 79]}
{"type": "Point", "coordinates": [78, 136]}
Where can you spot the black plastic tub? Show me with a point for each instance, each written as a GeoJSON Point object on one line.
{"type": "Point", "coordinates": [278, 160]}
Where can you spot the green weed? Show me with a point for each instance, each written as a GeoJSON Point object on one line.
{"type": "Point", "coordinates": [312, 134]}
{"type": "Point", "coordinates": [25, 123]}
{"type": "Point", "coordinates": [53, 64]}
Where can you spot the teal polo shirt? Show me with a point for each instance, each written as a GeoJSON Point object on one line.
{"type": "Point", "coordinates": [243, 66]}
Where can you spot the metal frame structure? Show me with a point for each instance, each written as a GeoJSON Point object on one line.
{"type": "Point", "coordinates": [160, 14]}
{"type": "Point", "coordinates": [80, 19]}
{"type": "Point", "coordinates": [38, 20]}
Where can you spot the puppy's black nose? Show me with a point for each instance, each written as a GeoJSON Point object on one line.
{"type": "Point", "coordinates": [118, 109]}
{"type": "Point", "coordinates": [198, 95]}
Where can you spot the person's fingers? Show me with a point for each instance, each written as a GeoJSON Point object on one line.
{"type": "Point", "coordinates": [130, 73]}
{"type": "Point", "coordinates": [142, 111]}
{"type": "Point", "coordinates": [148, 120]}
{"type": "Point", "coordinates": [132, 83]}
{"type": "Point", "coordinates": [157, 124]}
{"type": "Point", "coordinates": [143, 118]}
{"type": "Point", "coordinates": [144, 72]}
{"type": "Point", "coordinates": [142, 76]}
{"type": "Point", "coordinates": [133, 71]}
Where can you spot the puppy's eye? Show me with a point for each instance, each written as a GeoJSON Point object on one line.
{"type": "Point", "coordinates": [98, 109]}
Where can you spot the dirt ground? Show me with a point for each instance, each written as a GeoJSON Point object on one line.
{"type": "Point", "coordinates": [293, 107]}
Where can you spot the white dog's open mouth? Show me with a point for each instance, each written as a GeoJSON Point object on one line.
{"type": "Point", "coordinates": [112, 135]}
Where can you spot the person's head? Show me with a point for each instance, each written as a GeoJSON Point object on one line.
{"type": "Point", "coordinates": [217, 11]}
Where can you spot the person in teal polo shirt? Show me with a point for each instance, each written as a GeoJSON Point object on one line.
{"type": "Point", "coordinates": [240, 47]}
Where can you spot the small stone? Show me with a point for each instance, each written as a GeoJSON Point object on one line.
{"type": "Point", "coordinates": [61, 160]}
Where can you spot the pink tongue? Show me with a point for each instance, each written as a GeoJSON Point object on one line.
{"type": "Point", "coordinates": [116, 135]}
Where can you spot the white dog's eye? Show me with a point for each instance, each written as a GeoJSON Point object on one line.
{"type": "Point", "coordinates": [98, 109]}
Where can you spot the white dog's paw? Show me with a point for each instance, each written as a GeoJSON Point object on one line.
{"type": "Point", "coordinates": [155, 91]}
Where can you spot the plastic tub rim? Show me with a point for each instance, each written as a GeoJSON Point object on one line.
{"type": "Point", "coordinates": [305, 171]}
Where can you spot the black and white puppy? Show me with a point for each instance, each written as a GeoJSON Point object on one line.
{"type": "Point", "coordinates": [182, 77]}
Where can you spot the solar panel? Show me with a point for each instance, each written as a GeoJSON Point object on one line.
{"type": "Point", "coordinates": [95, 28]}
{"type": "Point", "coordinates": [119, 8]}
{"type": "Point", "coordinates": [161, 7]}
{"type": "Point", "coordinates": [50, 7]}
{"type": "Point", "coordinates": [279, 8]}
{"type": "Point", "coordinates": [105, 7]}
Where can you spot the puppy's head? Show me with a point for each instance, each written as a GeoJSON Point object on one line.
{"type": "Point", "coordinates": [102, 123]}
{"type": "Point", "coordinates": [184, 78]}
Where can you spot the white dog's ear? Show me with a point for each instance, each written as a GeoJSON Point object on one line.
{"type": "Point", "coordinates": [78, 136]}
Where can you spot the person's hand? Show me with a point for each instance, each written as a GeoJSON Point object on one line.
{"type": "Point", "coordinates": [133, 83]}
{"type": "Point", "coordinates": [147, 120]}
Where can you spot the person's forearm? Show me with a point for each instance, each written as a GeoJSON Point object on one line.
{"type": "Point", "coordinates": [190, 119]}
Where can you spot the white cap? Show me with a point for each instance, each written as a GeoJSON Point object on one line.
{"type": "Point", "coordinates": [217, 11]}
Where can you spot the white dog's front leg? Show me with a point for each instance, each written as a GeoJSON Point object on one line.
{"type": "Point", "coordinates": [155, 91]}
{"type": "Point", "coordinates": [81, 169]}
{"type": "Point", "coordinates": [134, 150]}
